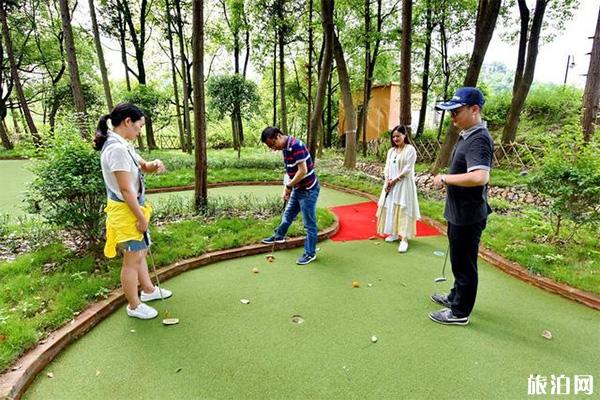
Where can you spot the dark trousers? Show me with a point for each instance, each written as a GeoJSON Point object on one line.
{"type": "Point", "coordinates": [464, 246]}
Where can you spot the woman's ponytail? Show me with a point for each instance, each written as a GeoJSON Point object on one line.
{"type": "Point", "coordinates": [101, 132]}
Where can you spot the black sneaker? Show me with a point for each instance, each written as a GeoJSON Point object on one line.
{"type": "Point", "coordinates": [306, 259]}
{"type": "Point", "coordinates": [273, 239]}
{"type": "Point", "coordinates": [441, 299]}
{"type": "Point", "coordinates": [446, 317]}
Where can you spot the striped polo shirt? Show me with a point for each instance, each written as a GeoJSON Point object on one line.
{"type": "Point", "coordinates": [294, 153]}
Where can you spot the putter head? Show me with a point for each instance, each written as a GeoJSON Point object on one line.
{"type": "Point", "coordinates": [440, 279]}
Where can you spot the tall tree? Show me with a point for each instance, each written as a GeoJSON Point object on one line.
{"type": "Point", "coordinates": [169, 36]}
{"type": "Point", "coordinates": [234, 13]}
{"type": "Point", "coordinates": [349, 110]}
{"type": "Point", "coordinates": [429, 26]}
{"type": "Point", "coordinates": [100, 54]}
{"type": "Point", "coordinates": [185, 77]}
{"type": "Point", "coordinates": [282, 33]}
{"type": "Point", "coordinates": [200, 187]}
{"type": "Point", "coordinates": [5, 90]}
{"type": "Point", "coordinates": [527, 56]}
{"type": "Point", "coordinates": [405, 50]}
{"type": "Point", "coordinates": [487, 14]}
{"type": "Point", "coordinates": [37, 140]}
{"type": "Point", "coordinates": [136, 23]}
{"type": "Point", "coordinates": [591, 94]}
{"type": "Point", "coordinates": [309, 66]}
{"type": "Point", "coordinates": [365, 106]}
{"type": "Point", "coordinates": [65, 16]}
{"type": "Point", "coordinates": [328, 34]}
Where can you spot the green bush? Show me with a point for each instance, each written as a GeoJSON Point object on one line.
{"type": "Point", "coordinates": [496, 109]}
{"type": "Point", "coordinates": [68, 190]}
{"type": "Point", "coordinates": [554, 103]}
{"type": "Point", "coordinates": [570, 178]}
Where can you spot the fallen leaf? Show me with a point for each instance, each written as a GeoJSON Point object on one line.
{"type": "Point", "coordinates": [547, 335]}
{"type": "Point", "coordinates": [355, 284]}
{"type": "Point", "coordinates": [2, 338]}
{"type": "Point", "coordinates": [178, 370]}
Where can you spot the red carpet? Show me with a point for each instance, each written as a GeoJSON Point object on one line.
{"type": "Point", "coordinates": [358, 222]}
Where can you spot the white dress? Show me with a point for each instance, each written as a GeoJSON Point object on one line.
{"type": "Point", "coordinates": [398, 212]}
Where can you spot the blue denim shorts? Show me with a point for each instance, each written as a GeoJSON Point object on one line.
{"type": "Point", "coordinates": [135, 245]}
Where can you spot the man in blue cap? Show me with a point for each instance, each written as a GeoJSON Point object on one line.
{"type": "Point", "coordinates": [466, 207]}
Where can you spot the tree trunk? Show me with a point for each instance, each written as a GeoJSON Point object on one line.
{"type": "Point", "coordinates": [309, 68]}
{"type": "Point", "coordinates": [426, 62]}
{"type": "Point", "coordinates": [100, 54]}
{"type": "Point", "coordinates": [37, 140]}
{"type": "Point", "coordinates": [349, 110]}
{"type": "Point", "coordinates": [487, 13]}
{"type": "Point", "coordinates": [591, 94]}
{"type": "Point", "coordinates": [123, 47]}
{"type": "Point", "coordinates": [365, 109]}
{"type": "Point", "coordinates": [6, 143]}
{"type": "Point", "coordinates": [182, 137]}
{"type": "Point", "coordinates": [73, 68]}
{"type": "Point", "coordinates": [187, 125]}
{"type": "Point", "coordinates": [405, 81]}
{"type": "Point", "coordinates": [275, 81]}
{"type": "Point", "coordinates": [281, 40]}
{"type": "Point", "coordinates": [327, 22]}
{"type": "Point", "coordinates": [327, 131]}
{"type": "Point", "coordinates": [139, 45]}
{"type": "Point", "coordinates": [201, 193]}
{"type": "Point", "coordinates": [523, 83]}
{"type": "Point", "coordinates": [52, 114]}
{"type": "Point", "coordinates": [14, 115]}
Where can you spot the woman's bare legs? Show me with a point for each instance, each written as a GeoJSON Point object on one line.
{"type": "Point", "coordinates": [134, 272]}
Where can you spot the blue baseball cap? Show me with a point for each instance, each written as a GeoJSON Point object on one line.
{"type": "Point", "coordinates": [464, 96]}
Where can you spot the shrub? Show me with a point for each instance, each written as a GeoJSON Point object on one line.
{"type": "Point", "coordinates": [68, 190]}
{"type": "Point", "coordinates": [570, 178]}
{"type": "Point", "coordinates": [554, 103]}
{"type": "Point", "coordinates": [496, 109]}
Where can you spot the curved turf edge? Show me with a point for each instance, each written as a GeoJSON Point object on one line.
{"type": "Point", "coordinates": [21, 373]}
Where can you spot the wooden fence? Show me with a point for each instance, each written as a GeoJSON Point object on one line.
{"type": "Point", "coordinates": [514, 155]}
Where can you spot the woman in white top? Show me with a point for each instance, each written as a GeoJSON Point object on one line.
{"type": "Point", "coordinates": [122, 170]}
{"type": "Point", "coordinates": [398, 206]}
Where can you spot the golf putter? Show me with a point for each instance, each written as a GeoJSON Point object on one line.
{"type": "Point", "coordinates": [166, 320]}
{"type": "Point", "coordinates": [271, 257]}
{"type": "Point", "coordinates": [443, 277]}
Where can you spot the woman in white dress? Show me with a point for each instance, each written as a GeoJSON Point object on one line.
{"type": "Point", "coordinates": [398, 206]}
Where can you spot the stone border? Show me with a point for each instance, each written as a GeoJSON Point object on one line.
{"type": "Point", "coordinates": [22, 372]}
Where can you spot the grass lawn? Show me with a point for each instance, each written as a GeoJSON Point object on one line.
{"type": "Point", "coordinates": [225, 349]}
{"type": "Point", "coordinates": [14, 176]}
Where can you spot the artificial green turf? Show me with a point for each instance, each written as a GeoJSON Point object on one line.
{"type": "Point", "coordinates": [225, 349]}
{"type": "Point", "coordinates": [14, 177]}
{"type": "Point", "coordinates": [327, 197]}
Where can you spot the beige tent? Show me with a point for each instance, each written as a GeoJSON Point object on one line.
{"type": "Point", "coordinates": [384, 110]}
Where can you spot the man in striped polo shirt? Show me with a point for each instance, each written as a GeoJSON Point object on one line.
{"type": "Point", "coordinates": [301, 190]}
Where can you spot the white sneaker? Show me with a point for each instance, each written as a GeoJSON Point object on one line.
{"type": "Point", "coordinates": [142, 311]}
{"type": "Point", "coordinates": [403, 246]}
{"type": "Point", "coordinates": [391, 238]}
{"type": "Point", "coordinates": [155, 295]}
